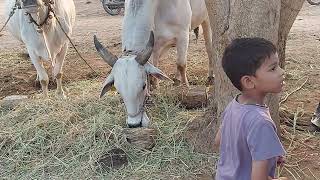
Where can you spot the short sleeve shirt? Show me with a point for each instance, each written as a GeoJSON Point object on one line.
{"type": "Point", "coordinates": [247, 134]}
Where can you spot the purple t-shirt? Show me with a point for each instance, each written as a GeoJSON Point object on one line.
{"type": "Point", "coordinates": [247, 133]}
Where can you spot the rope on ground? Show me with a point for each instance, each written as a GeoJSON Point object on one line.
{"type": "Point", "coordinates": [10, 15]}
{"type": "Point", "coordinates": [73, 43]}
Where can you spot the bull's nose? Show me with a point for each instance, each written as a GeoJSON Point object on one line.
{"type": "Point", "coordinates": [135, 122]}
{"type": "Point", "coordinates": [135, 125]}
{"type": "Point", "coordinates": [142, 120]}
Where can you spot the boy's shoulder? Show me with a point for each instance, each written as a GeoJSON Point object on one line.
{"type": "Point", "coordinates": [252, 115]}
{"type": "Point", "coordinates": [259, 118]}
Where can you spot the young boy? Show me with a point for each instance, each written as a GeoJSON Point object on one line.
{"type": "Point", "coordinates": [249, 145]}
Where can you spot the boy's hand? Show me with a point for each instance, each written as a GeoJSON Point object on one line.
{"type": "Point", "coordinates": [280, 161]}
{"type": "Point", "coordinates": [280, 178]}
{"type": "Point", "coordinates": [217, 139]}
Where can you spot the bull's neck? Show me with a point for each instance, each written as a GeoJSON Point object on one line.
{"type": "Point", "coordinates": [42, 15]}
{"type": "Point", "coordinates": [137, 23]}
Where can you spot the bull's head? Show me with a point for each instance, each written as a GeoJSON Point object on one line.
{"type": "Point", "coordinates": [129, 76]}
{"type": "Point", "coordinates": [38, 11]}
{"type": "Point", "coordinates": [31, 6]}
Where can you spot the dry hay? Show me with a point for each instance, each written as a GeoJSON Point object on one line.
{"type": "Point", "coordinates": [302, 147]}
{"type": "Point", "coordinates": [63, 139]}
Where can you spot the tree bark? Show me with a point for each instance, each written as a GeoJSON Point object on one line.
{"type": "Point", "coordinates": [230, 19]}
{"type": "Point", "coordinates": [246, 18]}
{"type": "Point", "coordinates": [289, 11]}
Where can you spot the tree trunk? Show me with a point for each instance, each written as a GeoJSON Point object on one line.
{"type": "Point", "coordinates": [230, 19]}
{"type": "Point", "coordinates": [289, 12]}
{"type": "Point", "coordinates": [246, 18]}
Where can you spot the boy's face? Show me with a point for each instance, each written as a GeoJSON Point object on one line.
{"type": "Point", "coordinates": [269, 77]}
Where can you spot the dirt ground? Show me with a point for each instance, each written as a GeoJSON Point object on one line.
{"type": "Point", "coordinates": [302, 69]}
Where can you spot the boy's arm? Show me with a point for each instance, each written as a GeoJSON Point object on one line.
{"type": "Point", "coordinates": [259, 170]}
{"type": "Point", "coordinates": [264, 144]}
{"type": "Point", "coordinates": [218, 138]}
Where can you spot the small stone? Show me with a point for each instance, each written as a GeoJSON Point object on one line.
{"type": "Point", "coordinates": [12, 101]}
{"type": "Point", "coordinates": [143, 138]}
{"type": "Point", "coordinates": [194, 97]}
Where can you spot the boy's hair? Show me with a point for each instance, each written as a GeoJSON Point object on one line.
{"type": "Point", "coordinates": [244, 56]}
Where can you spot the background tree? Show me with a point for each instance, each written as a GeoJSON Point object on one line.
{"type": "Point", "coordinates": [270, 19]}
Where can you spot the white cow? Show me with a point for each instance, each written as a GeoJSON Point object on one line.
{"type": "Point", "coordinates": [171, 21]}
{"type": "Point", "coordinates": [44, 38]}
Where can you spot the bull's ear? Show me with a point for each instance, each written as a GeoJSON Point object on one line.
{"type": "Point", "coordinates": [107, 85]}
{"type": "Point", "coordinates": [155, 72]}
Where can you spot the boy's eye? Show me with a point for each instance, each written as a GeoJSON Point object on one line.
{"type": "Point", "coordinates": [273, 68]}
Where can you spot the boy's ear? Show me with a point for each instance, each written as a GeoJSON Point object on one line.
{"type": "Point", "coordinates": [247, 82]}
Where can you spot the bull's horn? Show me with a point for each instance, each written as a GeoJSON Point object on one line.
{"type": "Point", "coordinates": [107, 56]}
{"type": "Point", "coordinates": [143, 57]}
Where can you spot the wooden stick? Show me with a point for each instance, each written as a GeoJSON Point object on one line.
{"type": "Point", "coordinates": [297, 89]}
{"type": "Point", "coordinates": [313, 174]}
{"type": "Point", "coordinates": [292, 140]}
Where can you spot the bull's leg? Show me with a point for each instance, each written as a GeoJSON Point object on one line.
{"type": "Point", "coordinates": [41, 72]}
{"type": "Point", "coordinates": [208, 43]}
{"type": "Point", "coordinates": [57, 70]}
{"type": "Point", "coordinates": [182, 50]}
{"type": "Point", "coordinates": [37, 82]}
{"type": "Point", "coordinates": [160, 47]}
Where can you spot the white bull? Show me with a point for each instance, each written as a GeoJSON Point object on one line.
{"type": "Point", "coordinates": [44, 38]}
{"type": "Point", "coordinates": [171, 21]}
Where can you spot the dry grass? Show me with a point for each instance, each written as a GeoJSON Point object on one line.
{"type": "Point", "coordinates": [62, 139]}
{"type": "Point", "coordinates": [302, 147]}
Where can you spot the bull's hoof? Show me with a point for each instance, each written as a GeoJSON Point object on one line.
{"type": "Point", "coordinates": [37, 84]}
{"type": "Point", "coordinates": [210, 81]}
{"type": "Point", "coordinates": [45, 94]}
{"type": "Point", "coordinates": [34, 80]}
{"type": "Point", "coordinates": [61, 95]}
